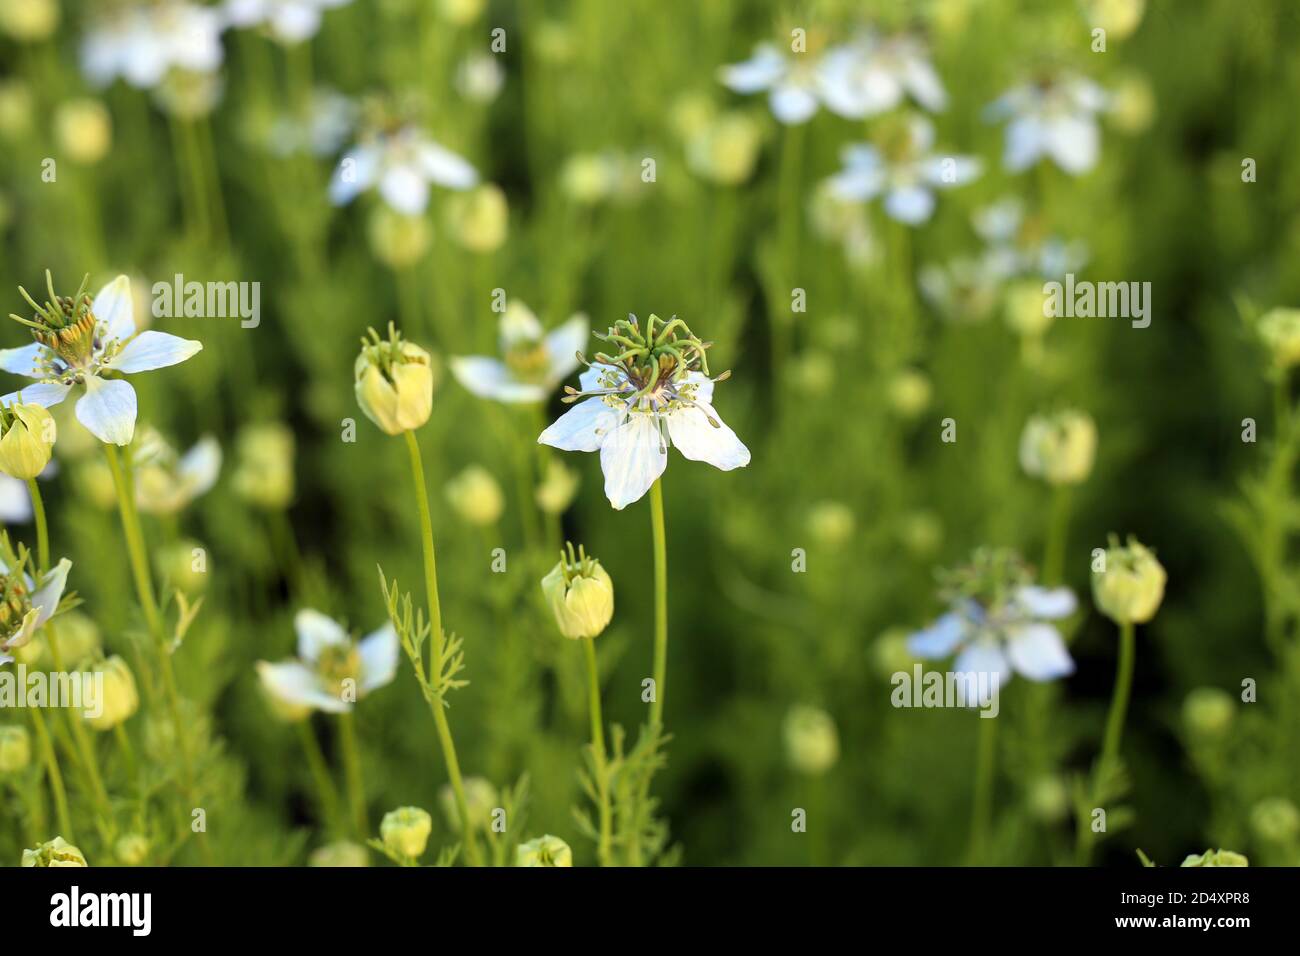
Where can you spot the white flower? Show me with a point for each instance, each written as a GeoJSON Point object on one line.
{"type": "Point", "coordinates": [21, 619]}
{"type": "Point", "coordinates": [401, 164]}
{"type": "Point", "coordinates": [535, 362]}
{"type": "Point", "coordinates": [1016, 247]}
{"type": "Point", "coordinates": [105, 344]}
{"type": "Point", "coordinates": [15, 501]}
{"type": "Point", "coordinates": [904, 171]}
{"type": "Point", "coordinates": [322, 132]}
{"type": "Point", "coordinates": [332, 670]}
{"type": "Point", "coordinates": [790, 79]}
{"type": "Point", "coordinates": [1056, 118]}
{"type": "Point", "coordinates": [874, 74]}
{"type": "Point", "coordinates": [166, 482]}
{"type": "Point", "coordinates": [290, 21]}
{"type": "Point", "coordinates": [141, 43]}
{"type": "Point", "coordinates": [1003, 640]}
{"type": "Point", "coordinates": [631, 420]}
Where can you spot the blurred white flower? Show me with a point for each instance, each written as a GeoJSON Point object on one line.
{"type": "Point", "coordinates": [165, 482]}
{"type": "Point", "coordinates": [28, 603]}
{"type": "Point", "coordinates": [534, 362]}
{"type": "Point", "coordinates": [903, 170]}
{"type": "Point", "coordinates": [1055, 117]}
{"type": "Point", "coordinates": [290, 21]}
{"type": "Point", "coordinates": [142, 42]}
{"type": "Point", "coordinates": [873, 74]}
{"type": "Point", "coordinates": [332, 670]}
{"type": "Point", "coordinates": [1018, 247]}
{"type": "Point", "coordinates": [790, 79]}
{"type": "Point", "coordinates": [963, 290]}
{"type": "Point", "coordinates": [479, 77]}
{"type": "Point", "coordinates": [92, 338]}
{"type": "Point", "coordinates": [330, 118]}
{"type": "Point", "coordinates": [401, 164]}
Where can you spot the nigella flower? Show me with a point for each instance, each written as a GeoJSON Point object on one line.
{"type": "Point", "coordinates": [290, 21]}
{"type": "Point", "coordinates": [165, 482]}
{"type": "Point", "coordinates": [902, 169]}
{"type": "Point", "coordinates": [322, 131]}
{"type": "Point", "coordinates": [143, 42]}
{"type": "Point", "coordinates": [654, 392]}
{"type": "Point", "coordinates": [534, 362]}
{"type": "Point", "coordinates": [874, 74]}
{"type": "Point", "coordinates": [997, 623]}
{"type": "Point", "coordinates": [789, 78]}
{"type": "Point", "coordinates": [401, 163]}
{"type": "Point", "coordinates": [1055, 117]}
{"type": "Point", "coordinates": [25, 604]}
{"type": "Point", "coordinates": [91, 343]}
{"type": "Point", "coordinates": [332, 670]}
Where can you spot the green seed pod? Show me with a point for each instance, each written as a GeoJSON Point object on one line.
{"type": "Point", "coordinates": [581, 595]}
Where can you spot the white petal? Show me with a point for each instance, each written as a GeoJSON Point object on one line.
{"type": "Point", "coordinates": [1024, 143]}
{"type": "Point", "coordinates": [1037, 651]}
{"type": "Point", "coordinates": [25, 360]}
{"type": "Point", "coordinates": [703, 387]}
{"type": "Point", "coordinates": [491, 378]}
{"type": "Point", "coordinates": [793, 105]}
{"type": "Point", "coordinates": [446, 168]}
{"type": "Point", "coordinates": [1047, 603]}
{"type": "Point", "coordinates": [924, 85]}
{"type": "Point", "coordinates": [945, 171]}
{"type": "Point", "coordinates": [404, 188]}
{"type": "Point", "coordinates": [759, 72]}
{"type": "Point", "coordinates": [150, 350]}
{"type": "Point", "coordinates": [108, 410]}
{"type": "Point", "coordinates": [632, 457]}
{"type": "Point", "coordinates": [939, 639]}
{"type": "Point", "coordinates": [984, 657]}
{"type": "Point", "coordinates": [44, 394]}
{"type": "Point", "coordinates": [15, 501]}
{"type": "Point", "coordinates": [200, 466]}
{"type": "Point", "coordinates": [1074, 142]}
{"type": "Point", "coordinates": [698, 440]}
{"type": "Point", "coordinates": [112, 307]}
{"type": "Point", "coordinates": [910, 204]}
{"type": "Point", "coordinates": [295, 22]}
{"type": "Point", "coordinates": [46, 600]}
{"type": "Point", "coordinates": [378, 652]}
{"type": "Point", "coordinates": [590, 377]}
{"type": "Point", "coordinates": [296, 685]}
{"type": "Point", "coordinates": [581, 428]}
{"type": "Point", "coordinates": [316, 631]}
{"type": "Point", "coordinates": [564, 344]}
{"type": "Point", "coordinates": [356, 173]}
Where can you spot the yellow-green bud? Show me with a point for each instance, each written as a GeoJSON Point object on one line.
{"type": "Point", "coordinates": [27, 442]}
{"type": "Point", "coordinates": [1026, 310]}
{"type": "Point", "coordinates": [56, 852]}
{"type": "Point", "coordinates": [29, 20]}
{"type": "Point", "coordinates": [480, 798]}
{"type": "Point", "coordinates": [812, 744]}
{"type": "Point", "coordinates": [1276, 820]}
{"type": "Point", "coordinates": [397, 240]}
{"type": "Point", "coordinates": [725, 150]}
{"type": "Point", "coordinates": [921, 532]}
{"type": "Point", "coordinates": [831, 523]}
{"type": "Point", "coordinates": [558, 488]}
{"type": "Point", "coordinates": [342, 853]}
{"type": "Point", "coordinates": [1208, 712]}
{"type": "Point", "coordinates": [1048, 798]}
{"type": "Point", "coordinates": [544, 851]}
{"type": "Point", "coordinates": [16, 109]}
{"type": "Point", "coordinates": [461, 12]}
{"type": "Point", "coordinates": [1280, 330]}
{"type": "Point", "coordinates": [84, 130]}
{"type": "Point", "coordinates": [889, 653]}
{"type": "Point", "coordinates": [405, 832]}
{"type": "Point", "coordinates": [120, 698]}
{"type": "Point", "coordinates": [394, 382]}
{"type": "Point", "coordinates": [1133, 104]}
{"type": "Point", "coordinates": [179, 565]}
{"type": "Point", "coordinates": [15, 748]}
{"type": "Point", "coordinates": [581, 595]}
{"type": "Point", "coordinates": [480, 218]}
{"type": "Point", "coordinates": [1216, 858]}
{"type": "Point", "coordinates": [1131, 587]}
{"type": "Point", "coordinates": [79, 637]}
{"type": "Point", "coordinates": [475, 496]}
{"type": "Point", "coordinates": [1119, 18]}
{"type": "Point", "coordinates": [131, 849]}
{"type": "Point", "coordinates": [1059, 448]}
{"type": "Point", "coordinates": [909, 392]}
{"type": "Point", "coordinates": [264, 475]}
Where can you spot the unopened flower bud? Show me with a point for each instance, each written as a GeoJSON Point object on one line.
{"type": "Point", "coordinates": [182, 565]}
{"type": "Point", "coordinates": [580, 593]}
{"type": "Point", "coordinates": [544, 851]}
{"type": "Point", "coordinates": [461, 12]}
{"type": "Point", "coordinates": [120, 698]}
{"type": "Point", "coordinates": [15, 748]}
{"type": "Point", "coordinates": [480, 218]}
{"type": "Point", "coordinates": [1276, 820]}
{"type": "Point", "coordinates": [27, 440]}
{"type": "Point", "coordinates": [812, 744]}
{"type": "Point", "coordinates": [1131, 587]}
{"type": "Point", "coordinates": [1048, 798]}
{"type": "Point", "coordinates": [131, 848]}
{"type": "Point", "coordinates": [475, 495]}
{"type": "Point", "coordinates": [397, 240]}
{"type": "Point", "coordinates": [558, 488]}
{"type": "Point", "coordinates": [726, 149]}
{"type": "Point", "coordinates": [1133, 104]}
{"type": "Point", "coordinates": [56, 852]}
{"type": "Point", "coordinates": [1059, 448]}
{"type": "Point", "coordinates": [405, 832]}
{"type": "Point", "coordinates": [480, 798]}
{"type": "Point", "coordinates": [1280, 330]}
{"type": "Point", "coordinates": [831, 523]}
{"type": "Point", "coordinates": [16, 109]}
{"type": "Point", "coordinates": [1216, 858]}
{"type": "Point", "coordinates": [264, 475]}
{"type": "Point", "coordinates": [394, 382]}
{"type": "Point", "coordinates": [909, 392]}
{"type": "Point", "coordinates": [1026, 308]}
{"type": "Point", "coordinates": [1119, 18]}
{"type": "Point", "coordinates": [29, 20]}
{"type": "Point", "coordinates": [1208, 712]}
{"type": "Point", "coordinates": [84, 130]}
{"type": "Point", "coordinates": [342, 853]}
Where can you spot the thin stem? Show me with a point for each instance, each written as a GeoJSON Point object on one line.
{"type": "Point", "coordinates": [436, 642]}
{"type": "Point", "coordinates": [982, 805]}
{"type": "Point", "coordinates": [42, 530]}
{"type": "Point", "coordinates": [1119, 702]}
{"type": "Point", "coordinates": [53, 772]}
{"type": "Point", "coordinates": [661, 602]}
{"type": "Point", "coordinates": [352, 773]}
{"type": "Point", "coordinates": [598, 744]}
{"type": "Point", "coordinates": [1058, 530]}
{"type": "Point", "coordinates": [325, 789]}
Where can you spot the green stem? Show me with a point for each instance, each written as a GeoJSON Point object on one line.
{"type": "Point", "coordinates": [661, 602]}
{"type": "Point", "coordinates": [52, 771]}
{"type": "Point", "coordinates": [1058, 530]}
{"type": "Point", "coordinates": [325, 790]}
{"type": "Point", "coordinates": [982, 805]}
{"type": "Point", "coordinates": [42, 531]}
{"type": "Point", "coordinates": [598, 743]}
{"type": "Point", "coordinates": [436, 642]}
{"type": "Point", "coordinates": [352, 773]}
{"type": "Point", "coordinates": [1119, 702]}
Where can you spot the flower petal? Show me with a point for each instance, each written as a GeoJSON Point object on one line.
{"type": "Point", "coordinates": [1037, 651]}
{"type": "Point", "coordinates": [297, 685]}
{"type": "Point", "coordinates": [912, 205]}
{"type": "Point", "coordinates": [46, 599]}
{"type": "Point", "coordinates": [581, 428]}
{"type": "Point", "coordinates": [1048, 603]}
{"type": "Point", "coordinates": [757, 73]}
{"type": "Point", "coordinates": [632, 457]}
{"type": "Point", "coordinates": [356, 172]}
{"type": "Point", "coordinates": [44, 394]}
{"type": "Point", "coordinates": [378, 652]}
{"type": "Point", "coordinates": [200, 466]}
{"type": "Point", "coordinates": [939, 639]}
{"type": "Point", "coordinates": [25, 360]}
{"type": "Point", "coordinates": [113, 308]}
{"type": "Point", "coordinates": [404, 187]}
{"type": "Point", "coordinates": [108, 410]}
{"type": "Point", "coordinates": [696, 437]}
{"type": "Point", "coordinates": [316, 631]}
{"type": "Point", "coordinates": [592, 374]}
{"type": "Point", "coordinates": [563, 345]}
{"type": "Point", "coordinates": [1024, 143]}
{"type": "Point", "coordinates": [792, 105]}
{"type": "Point", "coordinates": [1074, 142]}
{"type": "Point", "coordinates": [492, 378]}
{"type": "Point", "coordinates": [984, 657]}
{"type": "Point", "coordinates": [446, 168]}
{"type": "Point", "coordinates": [150, 350]}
